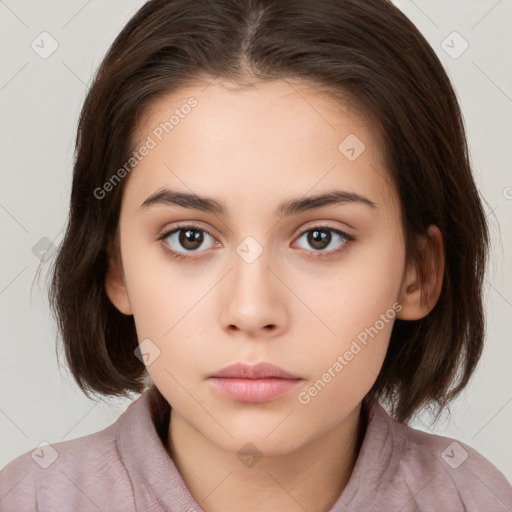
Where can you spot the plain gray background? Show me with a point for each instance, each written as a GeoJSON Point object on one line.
{"type": "Point", "coordinates": [40, 99]}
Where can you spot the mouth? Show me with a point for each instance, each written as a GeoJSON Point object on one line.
{"type": "Point", "coordinates": [258, 383]}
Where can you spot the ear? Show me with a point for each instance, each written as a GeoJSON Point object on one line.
{"type": "Point", "coordinates": [423, 280]}
{"type": "Point", "coordinates": [115, 285]}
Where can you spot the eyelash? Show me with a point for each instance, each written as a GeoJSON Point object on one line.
{"type": "Point", "coordinates": [349, 239]}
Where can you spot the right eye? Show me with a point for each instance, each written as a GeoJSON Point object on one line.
{"type": "Point", "coordinates": [187, 237]}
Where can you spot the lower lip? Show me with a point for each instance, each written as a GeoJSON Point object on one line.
{"type": "Point", "coordinates": [254, 390]}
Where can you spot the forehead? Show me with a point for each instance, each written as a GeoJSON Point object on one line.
{"type": "Point", "coordinates": [279, 137]}
{"type": "Point", "coordinates": [260, 108]}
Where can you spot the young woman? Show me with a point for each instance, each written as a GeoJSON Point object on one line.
{"type": "Point", "coordinates": [273, 227]}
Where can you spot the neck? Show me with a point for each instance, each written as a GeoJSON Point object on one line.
{"type": "Point", "coordinates": [312, 477]}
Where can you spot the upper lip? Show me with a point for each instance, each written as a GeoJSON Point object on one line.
{"type": "Point", "coordinates": [257, 371]}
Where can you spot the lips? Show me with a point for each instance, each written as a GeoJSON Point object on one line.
{"type": "Point", "coordinates": [258, 383]}
{"type": "Point", "coordinates": [258, 371]}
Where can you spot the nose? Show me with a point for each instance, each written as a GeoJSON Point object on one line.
{"type": "Point", "coordinates": [254, 299]}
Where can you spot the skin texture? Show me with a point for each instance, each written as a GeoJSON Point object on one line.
{"type": "Point", "coordinates": [251, 148]}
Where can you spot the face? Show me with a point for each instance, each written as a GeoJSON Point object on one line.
{"type": "Point", "coordinates": [262, 273]}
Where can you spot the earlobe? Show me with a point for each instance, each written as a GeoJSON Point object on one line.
{"type": "Point", "coordinates": [115, 285]}
{"type": "Point", "coordinates": [423, 280]}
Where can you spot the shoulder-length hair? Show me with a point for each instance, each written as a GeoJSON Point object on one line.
{"type": "Point", "coordinates": [364, 50]}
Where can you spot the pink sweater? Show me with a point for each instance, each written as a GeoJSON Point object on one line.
{"type": "Point", "coordinates": [125, 467]}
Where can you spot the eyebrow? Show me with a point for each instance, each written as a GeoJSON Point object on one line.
{"type": "Point", "coordinates": [289, 207]}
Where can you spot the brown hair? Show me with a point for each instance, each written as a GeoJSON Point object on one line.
{"type": "Point", "coordinates": [366, 50]}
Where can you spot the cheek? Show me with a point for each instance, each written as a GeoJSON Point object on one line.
{"type": "Point", "coordinates": [351, 360]}
{"type": "Point", "coordinates": [359, 306]}
{"type": "Point", "coordinates": [160, 291]}
{"type": "Point", "coordinates": [344, 369]}
{"type": "Point", "coordinates": [354, 295]}
{"type": "Point", "coordinates": [168, 303]}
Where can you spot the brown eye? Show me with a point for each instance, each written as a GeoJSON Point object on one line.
{"type": "Point", "coordinates": [320, 238]}
{"type": "Point", "coordinates": [186, 239]}
{"type": "Point", "coordinates": [190, 239]}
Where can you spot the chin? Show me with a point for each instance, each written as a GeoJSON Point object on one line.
{"type": "Point", "coordinates": [270, 435]}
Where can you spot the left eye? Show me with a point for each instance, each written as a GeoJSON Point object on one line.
{"type": "Point", "coordinates": [321, 237]}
